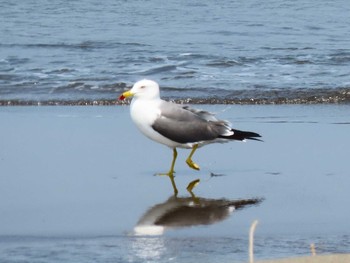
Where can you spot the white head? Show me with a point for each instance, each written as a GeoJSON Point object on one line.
{"type": "Point", "coordinates": [145, 89]}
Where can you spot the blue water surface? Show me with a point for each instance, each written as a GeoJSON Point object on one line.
{"type": "Point", "coordinates": [72, 50]}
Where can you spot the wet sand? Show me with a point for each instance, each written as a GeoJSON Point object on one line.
{"type": "Point", "coordinates": [339, 258]}
{"type": "Point", "coordinates": [87, 171]}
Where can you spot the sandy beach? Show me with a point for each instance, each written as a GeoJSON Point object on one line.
{"type": "Point", "coordinates": [86, 172]}
{"type": "Point", "coordinates": [338, 258]}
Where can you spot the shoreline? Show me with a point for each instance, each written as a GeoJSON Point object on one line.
{"type": "Point", "coordinates": [233, 97]}
{"type": "Point", "coordinates": [193, 101]}
{"type": "Point", "coordinates": [87, 171]}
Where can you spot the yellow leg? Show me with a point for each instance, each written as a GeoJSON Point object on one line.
{"type": "Point", "coordinates": [171, 172]}
{"type": "Point", "coordinates": [189, 161]}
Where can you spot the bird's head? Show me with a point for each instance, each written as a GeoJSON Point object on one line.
{"type": "Point", "coordinates": [146, 89]}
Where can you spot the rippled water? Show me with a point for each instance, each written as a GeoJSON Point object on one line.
{"type": "Point", "coordinates": [212, 52]}
{"type": "Point", "coordinates": [154, 249]}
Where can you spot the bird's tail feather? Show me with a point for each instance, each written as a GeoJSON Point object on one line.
{"type": "Point", "coordinates": [242, 135]}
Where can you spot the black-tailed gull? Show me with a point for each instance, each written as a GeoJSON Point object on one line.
{"type": "Point", "coordinates": [177, 125]}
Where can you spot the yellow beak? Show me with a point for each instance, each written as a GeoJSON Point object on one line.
{"type": "Point", "coordinates": [126, 94]}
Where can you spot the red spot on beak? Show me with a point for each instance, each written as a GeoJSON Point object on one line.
{"type": "Point", "coordinates": [122, 97]}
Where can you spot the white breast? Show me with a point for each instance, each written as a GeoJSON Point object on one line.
{"type": "Point", "coordinates": [144, 113]}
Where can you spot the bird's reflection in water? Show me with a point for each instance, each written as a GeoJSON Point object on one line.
{"type": "Point", "coordinates": [179, 212]}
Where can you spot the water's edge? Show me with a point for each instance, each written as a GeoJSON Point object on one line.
{"type": "Point", "coordinates": [302, 96]}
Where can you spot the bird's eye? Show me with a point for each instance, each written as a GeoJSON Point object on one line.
{"type": "Point", "coordinates": [142, 87]}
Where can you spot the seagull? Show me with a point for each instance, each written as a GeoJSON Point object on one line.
{"type": "Point", "coordinates": [178, 126]}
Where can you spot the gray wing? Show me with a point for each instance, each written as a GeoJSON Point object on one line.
{"type": "Point", "coordinates": [185, 125]}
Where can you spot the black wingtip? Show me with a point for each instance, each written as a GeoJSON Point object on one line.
{"type": "Point", "coordinates": [243, 135]}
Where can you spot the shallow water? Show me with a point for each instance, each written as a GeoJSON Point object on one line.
{"type": "Point", "coordinates": [280, 50]}
{"type": "Point", "coordinates": [76, 181]}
